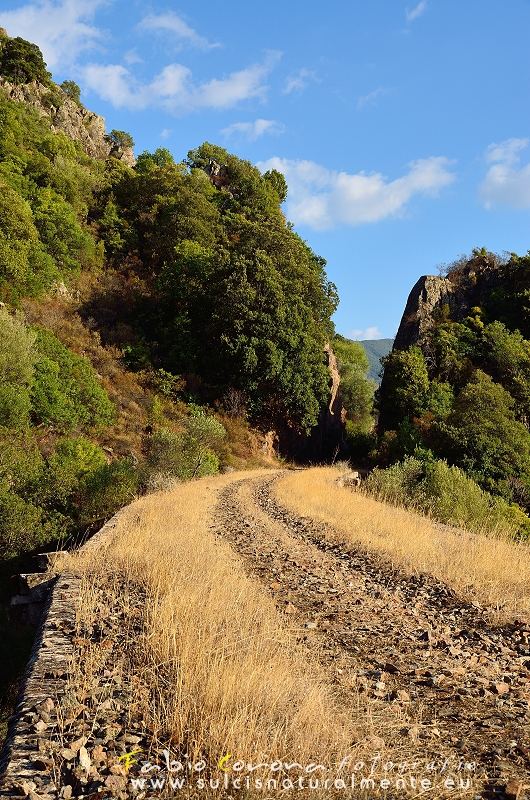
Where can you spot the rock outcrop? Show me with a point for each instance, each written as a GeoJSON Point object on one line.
{"type": "Point", "coordinates": [71, 118]}
{"type": "Point", "coordinates": [428, 295]}
{"type": "Point", "coordinates": [469, 283]}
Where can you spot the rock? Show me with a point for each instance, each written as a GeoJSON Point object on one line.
{"type": "Point", "coordinates": [84, 759]}
{"type": "Point", "coordinates": [35, 584]}
{"type": "Point", "coordinates": [74, 120]}
{"type": "Point", "coordinates": [501, 688]}
{"type": "Point", "coordinates": [116, 783]}
{"type": "Point", "coordinates": [428, 294]}
{"type": "Point", "coordinates": [401, 695]}
{"type": "Point", "coordinates": [46, 706]}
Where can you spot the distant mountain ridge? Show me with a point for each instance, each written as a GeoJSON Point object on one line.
{"type": "Point", "coordinates": [376, 349]}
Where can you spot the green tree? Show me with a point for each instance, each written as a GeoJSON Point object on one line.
{"type": "Point", "coordinates": [22, 61]}
{"type": "Point", "coordinates": [356, 391]}
{"type": "Point", "coordinates": [483, 437]}
{"type": "Point", "coordinates": [120, 139]}
{"type": "Point", "coordinates": [72, 90]}
{"type": "Point", "coordinates": [404, 389]}
{"type": "Point", "coordinates": [66, 394]}
{"type": "Point", "coordinates": [277, 180]}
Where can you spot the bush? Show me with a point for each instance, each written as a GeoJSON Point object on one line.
{"type": "Point", "coordinates": [15, 405]}
{"type": "Point", "coordinates": [106, 490]}
{"type": "Point", "coordinates": [72, 460]}
{"type": "Point", "coordinates": [17, 350]}
{"type": "Point", "coordinates": [66, 394]}
{"type": "Point", "coordinates": [21, 464]}
{"type": "Point", "coordinates": [188, 454]}
{"type": "Point", "coordinates": [446, 492]}
{"type": "Point", "coordinates": [21, 524]}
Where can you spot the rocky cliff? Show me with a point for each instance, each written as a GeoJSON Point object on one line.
{"type": "Point", "coordinates": [469, 282]}
{"type": "Point", "coordinates": [71, 118]}
{"type": "Point", "coordinates": [428, 294]}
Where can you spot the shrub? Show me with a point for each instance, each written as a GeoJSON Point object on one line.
{"type": "Point", "coordinates": [21, 463]}
{"type": "Point", "coordinates": [66, 393]}
{"type": "Point", "coordinates": [17, 350]}
{"type": "Point", "coordinates": [107, 489]}
{"type": "Point", "coordinates": [72, 459]}
{"type": "Point", "coordinates": [161, 482]}
{"type": "Point", "coordinates": [446, 492]}
{"type": "Point", "coordinates": [188, 454]}
{"type": "Point", "coordinates": [21, 524]}
{"type": "Point", "coordinates": [15, 405]}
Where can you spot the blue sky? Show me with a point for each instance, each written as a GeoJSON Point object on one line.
{"type": "Point", "coordinates": [403, 129]}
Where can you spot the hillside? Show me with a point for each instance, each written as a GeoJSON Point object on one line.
{"type": "Point", "coordinates": [376, 349]}
{"type": "Point", "coordinates": [456, 387]}
{"type": "Point", "coordinates": [159, 321]}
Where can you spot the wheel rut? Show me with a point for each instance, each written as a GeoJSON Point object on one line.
{"type": "Point", "coordinates": [406, 643]}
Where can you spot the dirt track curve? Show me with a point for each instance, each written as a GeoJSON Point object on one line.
{"type": "Point", "coordinates": [400, 639]}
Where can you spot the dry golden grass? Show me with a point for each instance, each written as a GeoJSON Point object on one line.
{"type": "Point", "coordinates": [493, 571]}
{"type": "Point", "coordinates": [225, 673]}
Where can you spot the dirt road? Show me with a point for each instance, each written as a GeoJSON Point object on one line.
{"type": "Point", "coordinates": [405, 641]}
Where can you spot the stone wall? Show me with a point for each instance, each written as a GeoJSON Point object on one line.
{"type": "Point", "coordinates": [20, 766]}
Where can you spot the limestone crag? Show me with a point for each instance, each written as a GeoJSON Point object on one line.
{"type": "Point", "coordinates": [71, 118]}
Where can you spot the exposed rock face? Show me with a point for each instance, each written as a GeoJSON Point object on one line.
{"type": "Point", "coordinates": [334, 406]}
{"type": "Point", "coordinates": [75, 121]}
{"type": "Point", "coordinates": [428, 294]}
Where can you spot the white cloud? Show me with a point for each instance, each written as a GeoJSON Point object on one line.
{"type": "Point", "coordinates": [299, 80]}
{"type": "Point", "coordinates": [371, 98]}
{"type": "Point", "coordinates": [114, 82]}
{"type": "Point", "coordinates": [507, 151]}
{"type": "Point", "coordinates": [178, 28]}
{"type": "Point", "coordinates": [165, 133]}
{"type": "Point", "coordinates": [416, 11]}
{"type": "Point", "coordinates": [174, 88]}
{"type": "Point", "coordinates": [132, 57]}
{"type": "Point", "coordinates": [507, 181]}
{"type": "Point", "coordinates": [371, 332]}
{"type": "Point", "coordinates": [254, 130]}
{"type": "Point", "coordinates": [61, 28]}
{"type": "Point", "coordinates": [323, 199]}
